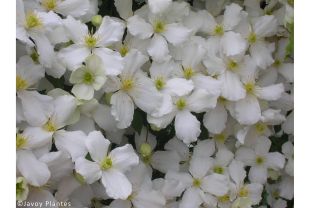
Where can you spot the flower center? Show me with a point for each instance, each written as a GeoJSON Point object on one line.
{"type": "Point", "coordinates": [277, 63]}
{"type": "Point", "coordinates": [276, 194]}
{"type": "Point", "coordinates": [50, 4]}
{"type": "Point", "coordinates": [159, 26]}
{"type": "Point", "coordinates": [49, 126]}
{"type": "Point", "coordinates": [219, 170]}
{"type": "Point", "coordinates": [252, 37]}
{"type": "Point", "coordinates": [221, 99]}
{"type": "Point", "coordinates": [159, 83]}
{"type": "Point", "coordinates": [33, 21]}
{"type": "Point", "coordinates": [147, 159]}
{"type": "Point", "coordinates": [35, 57]}
{"type": "Point", "coordinates": [259, 161]}
{"type": "Point", "coordinates": [188, 72]}
{"type": "Point", "coordinates": [106, 164]}
{"type": "Point", "coordinates": [218, 30]}
{"type": "Point", "coordinates": [232, 65]}
{"type": "Point", "coordinates": [124, 50]}
{"type": "Point", "coordinates": [268, 12]}
{"type": "Point", "coordinates": [181, 104]}
{"type": "Point", "coordinates": [221, 138]}
{"type": "Point", "coordinates": [250, 87]}
{"type": "Point", "coordinates": [21, 83]}
{"type": "Point", "coordinates": [21, 141]}
{"type": "Point", "coordinates": [260, 128]}
{"type": "Point", "coordinates": [244, 191]}
{"type": "Point", "coordinates": [196, 182]}
{"type": "Point", "coordinates": [224, 198]}
{"type": "Point", "coordinates": [90, 40]}
{"type": "Point", "coordinates": [88, 78]}
{"type": "Point", "coordinates": [127, 84]}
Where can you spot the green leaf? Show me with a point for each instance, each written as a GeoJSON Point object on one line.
{"type": "Point", "coordinates": [88, 157]}
{"type": "Point", "coordinates": [137, 122]}
{"type": "Point", "coordinates": [58, 83]}
{"type": "Point", "coordinates": [290, 46]}
{"type": "Point", "coordinates": [204, 133]}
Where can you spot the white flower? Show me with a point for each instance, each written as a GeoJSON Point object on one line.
{"type": "Point", "coordinates": [110, 168]}
{"type": "Point", "coordinates": [259, 159]}
{"type": "Point", "coordinates": [88, 78]}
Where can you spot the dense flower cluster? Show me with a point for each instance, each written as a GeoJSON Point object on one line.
{"type": "Point", "coordinates": [153, 104]}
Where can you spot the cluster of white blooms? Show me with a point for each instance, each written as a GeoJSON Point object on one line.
{"type": "Point", "coordinates": [155, 103]}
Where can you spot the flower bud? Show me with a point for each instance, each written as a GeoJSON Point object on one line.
{"type": "Point", "coordinates": [145, 149]}
{"type": "Point", "coordinates": [155, 128]}
{"type": "Point", "coordinates": [108, 96]}
{"type": "Point", "coordinates": [79, 177]}
{"type": "Point", "coordinates": [274, 175]}
{"type": "Point", "coordinates": [22, 189]}
{"type": "Point", "coordinates": [96, 20]}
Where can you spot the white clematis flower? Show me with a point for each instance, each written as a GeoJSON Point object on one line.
{"type": "Point", "coordinates": [88, 78]}
{"type": "Point", "coordinates": [110, 168]}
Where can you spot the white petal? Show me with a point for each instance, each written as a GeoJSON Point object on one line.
{"type": "Point", "coordinates": [209, 22]}
{"type": "Point", "coordinates": [275, 161]}
{"type": "Point", "coordinates": [166, 160]}
{"type": "Point", "coordinates": [246, 155]}
{"type": "Point", "coordinates": [166, 107]}
{"type": "Point", "coordinates": [38, 137]}
{"type": "Point", "coordinates": [75, 30]}
{"type": "Point", "coordinates": [215, 119]}
{"type": "Point", "coordinates": [237, 172]}
{"type": "Point", "coordinates": [201, 100]}
{"type": "Point", "coordinates": [199, 166]}
{"type": "Point", "coordinates": [162, 121]}
{"type": "Point", "coordinates": [73, 7]}
{"type": "Point", "coordinates": [232, 16]}
{"type": "Point", "coordinates": [89, 170]}
{"type": "Point", "coordinates": [204, 148]}
{"type": "Point", "coordinates": [74, 55]}
{"type": "Point", "coordinates": [149, 198]}
{"type": "Point", "coordinates": [71, 142]}
{"type": "Point", "coordinates": [159, 6]}
{"type": "Point", "coordinates": [215, 65]}
{"type": "Point", "coordinates": [103, 117]}
{"type": "Point", "coordinates": [134, 61]}
{"type": "Point", "coordinates": [186, 178]}
{"type": "Point", "coordinates": [64, 108]}
{"type": "Point", "coordinates": [248, 110]}
{"type": "Point", "coordinates": [258, 174]}
{"type": "Point", "coordinates": [266, 26]}
{"type": "Point", "coordinates": [178, 86]}
{"type": "Point", "coordinates": [187, 127]}
{"type": "Point", "coordinates": [191, 198]}
{"type": "Point", "coordinates": [83, 91]}
{"type": "Point", "coordinates": [215, 184]}
{"type": "Point", "coordinates": [36, 172]}
{"type": "Point", "coordinates": [232, 43]}
{"type": "Point", "coordinates": [59, 163]}
{"type": "Point", "coordinates": [145, 94]}
{"type": "Point", "coordinates": [138, 27]}
{"type": "Point", "coordinates": [287, 70]}
{"type": "Point", "coordinates": [272, 92]}
{"type": "Point", "coordinates": [124, 8]}
{"type": "Point", "coordinates": [110, 31]}
{"type": "Point", "coordinates": [37, 108]}
{"type": "Point", "coordinates": [124, 158]}
{"type": "Point", "coordinates": [158, 48]}
{"type": "Point", "coordinates": [233, 88]}
{"type": "Point", "coordinates": [113, 63]}
{"type": "Point", "coordinates": [212, 85]}
{"type": "Point", "coordinates": [97, 146]}
{"type": "Point", "coordinates": [256, 190]}
{"type": "Point", "coordinates": [122, 109]}
{"type": "Point", "coordinates": [118, 203]}
{"type": "Point", "coordinates": [116, 183]}
{"type": "Point", "coordinates": [224, 157]}
{"type": "Point", "coordinates": [176, 34]}
{"type": "Point", "coordinates": [261, 55]}
{"type": "Point", "coordinates": [288, 125]}
{"type": "Point", "coordinates": [268, 78]}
